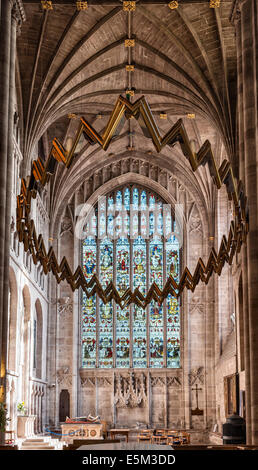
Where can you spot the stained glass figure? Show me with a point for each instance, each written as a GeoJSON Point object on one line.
{"type": "Point", "coordinates": [105, 310]}
{"type": "Point", "coordinates": [139, 315]}
{"type": "Point", "coordinates": [173, 308]}
{"type": "Point", "coordinates": [89, 254]}
{"type": "Point", "coordinates": [123, 315]}
{"type": "Point", "coordinates": [156, 311]}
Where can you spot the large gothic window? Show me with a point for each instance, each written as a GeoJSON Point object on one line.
{"type": "Point", "coordinates": [130, 239]}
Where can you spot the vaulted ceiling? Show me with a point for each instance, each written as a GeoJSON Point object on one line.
{"type": "Point", "coordinates": [74, 62]}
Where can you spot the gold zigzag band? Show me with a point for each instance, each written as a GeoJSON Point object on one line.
{"type": "Point", "coordinates": [41, 173]}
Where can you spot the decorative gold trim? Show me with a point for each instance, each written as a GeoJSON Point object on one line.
{"type": "Point", "coordinates": [129, 6]}
{"type": "Point", "coordinates": [129, 68]}
{"type": "Point", "coordinates": [40, 176]}
{"type": "Point", "coordinates": [81, 5]}
{"type": "Point", "coordinates": [163, 115]}
{"type": "Point", "coordinates": [129, 92]}
{"type": "Point", "coordinates": [72, 116]}
{"type": "Point", "coordinates": [47, 4]}
{"type": "Point", "coordinates": [191, 116]}
{"type": "Point", "coordinates": [129, 42]}
{"type": "Point", "coordinates": [173, 5]}
{"type": "Point", "coordinates": [214, 3]}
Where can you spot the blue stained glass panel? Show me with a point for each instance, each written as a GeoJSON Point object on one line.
{"type": "Point", "coordinates": [151, 201]}
{"type": "Point", "coordinates": [135, 198]}
{"type": "Point", "coordinates": [119, 200]}
{"type": "Point", "coordinates": [127, 199]}
{"type": "Point", "coordinates": [143, 200]}
{"type": "Point", "coordinates": [110, 225]}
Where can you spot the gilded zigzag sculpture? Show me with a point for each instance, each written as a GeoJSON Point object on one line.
{"type": "Point", "coordinates": [41, 174]}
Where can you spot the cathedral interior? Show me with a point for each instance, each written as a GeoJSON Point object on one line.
{"type": "Point", "coordinates": [129, 182]}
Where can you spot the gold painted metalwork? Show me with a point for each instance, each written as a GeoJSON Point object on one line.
{"type": "Point", "coordinates": [129, 6]}
{"type": "Point", "coordinates": [81, 6]}
{"type": "Point", "coordinates": [41, 173]}
{"type": "Point", "coordinates": [173, 5]}
{"type": "Point", "coordinates": [129, 42]}
{"type": "Point", "coordinates": [163, 115]}
{"type": "Point", "coordinates": [191, 116]}
{"type": "Point", "coordinates": [130, 93]}
{"type": "Point", "coordinates": [214, 3]}
{"type": "Point", "coordinates": [129, 68]}
{"type": "Point", "coordinates": [47, 5]}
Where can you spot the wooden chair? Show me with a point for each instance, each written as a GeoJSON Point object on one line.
{"type": "Point", "coordinates": [160, 437]}
{"type": "Point", "coordinates": [185, 437]}
{"type": "Point", "coordinates": [144, 435]}
{"type": "Point", "coordinates": [173, 438]}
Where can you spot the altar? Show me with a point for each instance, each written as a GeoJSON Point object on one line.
{"type": "Point", "coordinates": [75, 428]}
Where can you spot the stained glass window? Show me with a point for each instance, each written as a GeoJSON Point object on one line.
{"type": "Point", "coordinates": [89, 254]}
{"type": "Point", "coordinates": [131, 241]}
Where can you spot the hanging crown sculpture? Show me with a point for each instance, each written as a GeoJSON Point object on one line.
{"type": "Point", "coordinates": [41, 174]}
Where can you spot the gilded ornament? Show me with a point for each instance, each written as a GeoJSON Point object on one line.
{"type": "Point", "coordinates": [129, 68]}
{"type": "Point", "coordinates": [129, 6]}
{"type": "Point", "coordinates": [173, 5]}
{"type": "Point", "coordinates": [129, 42]}
{"type": "Point", "coordinates": [81, 6]}
{"type": "Point", "coordinates": [214, 3]}
{"type": "Point", "coordinates": [47, 5]}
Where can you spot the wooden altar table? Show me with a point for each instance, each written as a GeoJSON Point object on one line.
{"type": "Point", "coordinates": [121, 432]}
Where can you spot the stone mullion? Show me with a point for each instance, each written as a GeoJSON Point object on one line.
{"type": "Point", "coordinates": [249, 49]}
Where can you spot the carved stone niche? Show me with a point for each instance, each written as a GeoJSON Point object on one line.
{"type": "Point", "coordinates": [64, 376]}
{"type": "Point", "coordinates": [144, 168]}
{"type": "Point", "coordinates": [130, 390]}
{"type": "Point", "coordinates": [196, 375]}
{"type": "Point", "coordinates": [125, 166]}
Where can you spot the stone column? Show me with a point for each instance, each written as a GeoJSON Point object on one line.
{"type": "Point", "coordinates": [240, 113]}
{"type": "Point", "coordinates": [5, 41]}
{"type": "Point", "coordinates": [249, 38]}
